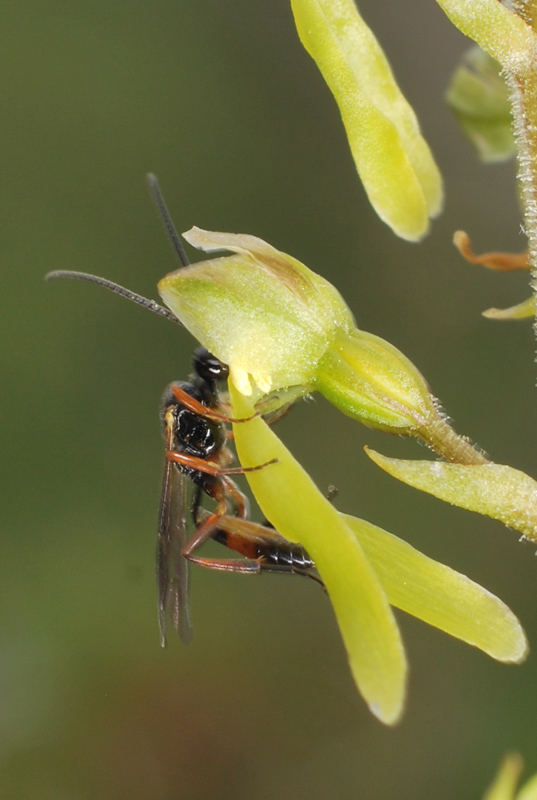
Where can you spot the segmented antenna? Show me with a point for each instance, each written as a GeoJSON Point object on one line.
{"type": "Point", "coordinates": [151, 305]}
{"type": "Point", "coordinates": [154, 188]}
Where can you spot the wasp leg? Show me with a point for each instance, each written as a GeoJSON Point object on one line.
{"type": "Point", "coordinates": [196, 407]}
{"type": "Point", "coordinates": [211, 467]}
{"type": "Point", "coordinates": [206, 529]}
{"type": "Point", "coordinates": [247, 567]}
{"type": "Point", "coordinates": [239, 499]}
{"type": "Point", "coordinates": [250, 566]}
{"type": "Point", "coordinates": [278, 414]}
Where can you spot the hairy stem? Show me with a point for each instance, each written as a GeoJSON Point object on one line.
{"type": "Point", "coordinates": [523, 87]}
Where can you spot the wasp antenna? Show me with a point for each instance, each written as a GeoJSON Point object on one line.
{"type": "Point", "coordinates": [154, 188]}
{"type": "Point", "coordinates": [151, 305]}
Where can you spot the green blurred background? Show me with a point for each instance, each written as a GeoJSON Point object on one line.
{"type": "Point", "coordinates": [219, 99]}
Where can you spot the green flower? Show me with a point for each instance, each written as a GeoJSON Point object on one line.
{"type": "Point", "coordinates": [260, 311]}
{"type": "Point", "coordinates": [285, 331]}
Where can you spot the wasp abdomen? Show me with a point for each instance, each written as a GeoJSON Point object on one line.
{"type": "Point", "coordinates": [287, 554]}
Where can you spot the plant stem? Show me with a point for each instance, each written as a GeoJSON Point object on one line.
{"type": "Point", "coordinates": [442, 438]}
{"type": "Point", "coordinates": [523, 86]}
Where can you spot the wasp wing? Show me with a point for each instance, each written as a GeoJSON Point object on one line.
{"type": "Point", "coordinates": [172, 567]}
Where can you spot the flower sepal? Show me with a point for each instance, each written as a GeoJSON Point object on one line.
{"type": "Point", "coordinates": [371, 380]}
{"type": "Point", "coordinates": [495, 490]}
{"type": "Point", "coordinates": [259, 310]}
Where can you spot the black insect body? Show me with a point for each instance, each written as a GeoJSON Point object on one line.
{"type": "Point", "coordinates": [264, 548]}
{"type": "Point", "coordinates": [194, 434]}
{"type": "Point", "coordinates": [195, 438]}
{"type": "Point", "coordinates": [196, 451]}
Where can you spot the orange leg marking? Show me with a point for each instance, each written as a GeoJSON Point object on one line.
{"type": "Point", "coordinates": [211, 467]}
{"type": "Point", "coordinates": [196, 407]}
{"type": "Point", "coordinates": [205, 530]}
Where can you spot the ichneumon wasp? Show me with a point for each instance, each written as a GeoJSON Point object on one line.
{"type": "Point", "coordinates": [197, 464]}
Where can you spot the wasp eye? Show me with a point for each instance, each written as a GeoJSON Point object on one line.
{"type": "Point", "coordinates": [208, 366]}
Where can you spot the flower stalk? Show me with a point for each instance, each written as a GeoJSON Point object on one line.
{"type": "Point", "coordinates": [510, 38]}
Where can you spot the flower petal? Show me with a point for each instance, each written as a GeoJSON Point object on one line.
{"type": "Point", "coordinates": [289, 498]}
{"type": "Point", "coordinates": [392, 158]}
{"type": "Point", "coordinates": [529, 790]}
{"type": "Point", "coordinates": [524, 310]}
{"type": "Point", "coordinates": [495, 490]}
{"type": "Point", "coordinates": [439, 595]}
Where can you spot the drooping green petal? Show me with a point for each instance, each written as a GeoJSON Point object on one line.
{"type": "Point", "coordinates": [440, 596]}
{"type": "Point", "coordinates": [500, 32]}
{"type": "Point", "coordinates": [505, 782]}
{"type": "Point", "coordinates": [524, 310]}
{"type": "Point", "coordinates": [392, 158]}
{"type": "Point", "coordinates": [289, 498]}
{"type": "Point", "coordinates": [495, 490]}
{"type": "Point", "coordinates": [479, 98]}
